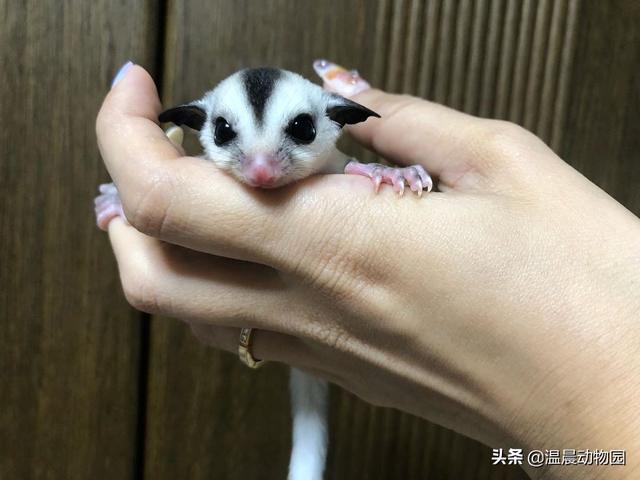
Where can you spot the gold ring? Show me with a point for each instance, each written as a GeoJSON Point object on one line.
{"type": "Point", "coordinates": [244, 349]}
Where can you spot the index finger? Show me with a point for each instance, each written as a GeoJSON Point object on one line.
{"type": "Point", "coordinates": [450, 144]}
{"type": "Point", "coordinates": [415, 131]}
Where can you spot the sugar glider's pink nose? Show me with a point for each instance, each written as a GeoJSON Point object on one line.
{"type": "Point", "coordinates": [262, 170]}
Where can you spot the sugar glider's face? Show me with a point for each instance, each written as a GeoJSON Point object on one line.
{"type": "Point", "coordinates": [268, 127]}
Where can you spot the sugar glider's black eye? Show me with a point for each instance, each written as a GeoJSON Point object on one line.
{"type": "Point", "coordinates": [223, 133]}
{"type": "Point", "coordinates": [301, 129]}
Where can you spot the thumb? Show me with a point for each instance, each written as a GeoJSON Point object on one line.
{"type": "Point", "coordinates": [132, 144]}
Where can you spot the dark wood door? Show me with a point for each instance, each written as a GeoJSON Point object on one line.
{"type": "Point", "coordinates": [91, 388]}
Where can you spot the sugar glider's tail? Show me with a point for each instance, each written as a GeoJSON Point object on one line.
{"type": "Point", "coordinates": [309, 399]}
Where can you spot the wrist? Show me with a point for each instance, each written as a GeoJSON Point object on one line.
{"type": "Point", "coordinates": [588, 401]}
{"type": "Point", "coordinates": [578, 386]}
{"type": "Point", "coordinates": [587, 415]}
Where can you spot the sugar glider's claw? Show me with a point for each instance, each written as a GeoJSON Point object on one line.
{"type": "Point", "coordinates": [107, 205]}
{"type": "Point", "coordinates": [340, 80]}
{"type": "Point", "coordinates": [426, 179]}
{"type": "Point", "coordinates": [377, 179]}
{"type": "Point", "coordinates": [418, 187]}
{"type": "Point", "coordinates": [415, 176]}
{"type": "Point", "coordinates": [397, 180]}
{"type": "Point", "coordinates": [413, 180]}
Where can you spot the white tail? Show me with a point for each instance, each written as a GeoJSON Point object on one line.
{"type": "Point", "coordinates": [309, 399]}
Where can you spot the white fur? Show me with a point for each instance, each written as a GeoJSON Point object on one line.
{"type": "Point", "coordinates": [291, 96]}
{"type": "Point", "coordinates": [309, 396]}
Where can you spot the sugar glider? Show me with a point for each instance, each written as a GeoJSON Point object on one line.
{"type": "Point", "coordinates": [268, 127]}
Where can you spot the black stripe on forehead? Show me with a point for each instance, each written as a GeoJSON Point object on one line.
{"type": "Point", "coordinates": [259, 82]}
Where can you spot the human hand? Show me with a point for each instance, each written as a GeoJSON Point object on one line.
{"type": "Point", "coordinates": [477, 306]}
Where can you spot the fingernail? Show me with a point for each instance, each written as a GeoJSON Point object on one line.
{"type": "Point", "coordinates": [121, 73]}
{"type": "Point", "coordinates": [340, 80]}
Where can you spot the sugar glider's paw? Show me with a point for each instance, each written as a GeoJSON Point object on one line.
{"type": "Point", "coordinates": [107, 205]}
{"type": "Point", "coordinates": [415, 176]}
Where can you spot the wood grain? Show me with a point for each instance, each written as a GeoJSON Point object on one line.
{"type": "Point", "coordinates": [602, 128]}
{"type": "Point", "coordinates": [81, 396]}
{"type": "Point", "coordinates": [69, 344]}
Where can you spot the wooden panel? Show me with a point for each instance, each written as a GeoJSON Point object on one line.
{"type": "Point", "coordinates": [540, 63]}
{"type": "Point", "coordinates": [69, 344]}
{"type": "Point", "coordinates": [508, 59]}
{"type": "Point", "coordinates": [73, 353]}
{"type": "Point", "coordinates": [602, 137]}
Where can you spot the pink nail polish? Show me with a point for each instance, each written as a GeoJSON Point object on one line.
{"type": "Point", "coordinates": [340, 80]}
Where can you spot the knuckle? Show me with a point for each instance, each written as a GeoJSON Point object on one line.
{"type": "Point", "coordinates": [108, 121]}
{"type": "Point", "coordinates": [500, 136]}
{"type": "Point", "coordinates": [336, 270]}
{"type": "Point", "coordinates": [339, 256]}
{"type": "Point", "coordinates": [140, 294]}
{"type": "Point", "coordinates": [348, 269]}
{"type": "Point", "coordinates": [339, 278]}
{"type": "Point", "coordinates": [150, 207]}
{"type": "Point", "coordinates": [140, 288]}
{"type": "Point", "coordinates": [334, 337]}
{"type": "Point", "coordinates": [338, 340]}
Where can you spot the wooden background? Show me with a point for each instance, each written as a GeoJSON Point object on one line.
{"type": "Point", "coordinates": [91, 388]}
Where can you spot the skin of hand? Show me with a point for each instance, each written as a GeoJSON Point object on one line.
{"type": "Point", "coordinates": [503, 306]}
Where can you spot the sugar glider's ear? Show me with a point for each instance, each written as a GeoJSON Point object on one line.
{"type": "Point", "coordinates": [191, 115]}
{"type": "Point", "coordinates": [345, 112]}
